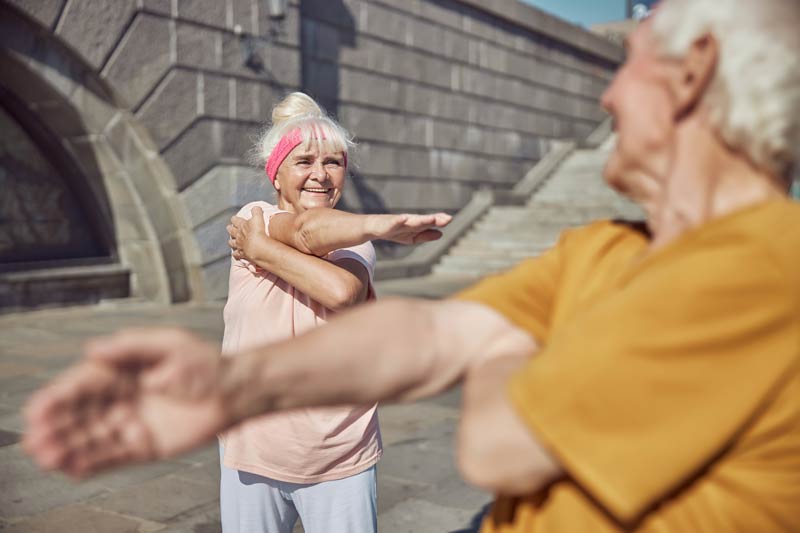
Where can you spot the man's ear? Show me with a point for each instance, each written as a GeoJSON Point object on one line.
{"type": "Point", "coordinates": [694, 73]}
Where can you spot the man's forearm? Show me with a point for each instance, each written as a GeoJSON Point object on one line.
{"type": "Point", "coordinates": [362, 356]}
{"type": "Point", "coordinates": [391, 350]}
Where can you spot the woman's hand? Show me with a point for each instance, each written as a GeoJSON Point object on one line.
{"type": "Point", "coordinates": [247, 236]}
{"type": "Point", "coordinates": [407, 228]}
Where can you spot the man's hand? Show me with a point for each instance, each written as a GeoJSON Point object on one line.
{"type": "Point", "coordinates": [248, 235]}
{"type": "Point", "coordinates": [139, 395]}
{"type": "Point", "coordinates": [407, 228]}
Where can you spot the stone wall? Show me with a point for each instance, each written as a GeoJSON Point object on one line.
{"type": "Point", "coordinates": [444, 96]}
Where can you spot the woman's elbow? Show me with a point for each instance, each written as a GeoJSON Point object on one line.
{"type": "Point", "coordinates": [303, 229]}
{"type": "Point", "coordinates": [346, 294]}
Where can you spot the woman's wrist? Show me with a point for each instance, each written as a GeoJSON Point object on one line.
{"type": "Point", "coordinates": [371, 227]}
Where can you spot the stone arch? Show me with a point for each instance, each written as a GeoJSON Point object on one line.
{"type": "Point", "coordinates": [146, 229]}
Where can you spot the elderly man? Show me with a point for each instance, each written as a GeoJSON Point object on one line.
{"type": "Point", "coordinates": [625, 380]}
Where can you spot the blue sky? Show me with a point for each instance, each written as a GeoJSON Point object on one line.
{"type": "Point", "coordinates": [583, 12]}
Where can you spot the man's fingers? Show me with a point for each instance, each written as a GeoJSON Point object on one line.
{"type": "Point", "coordinates": [72, 394]}
{"type": "Point", "coordinates": [49, 455]}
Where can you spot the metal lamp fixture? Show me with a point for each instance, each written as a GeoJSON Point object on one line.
{"type": "Point", "coordinates": [252, 45]}
{"type": "Point", "coordinates": [276, 9]}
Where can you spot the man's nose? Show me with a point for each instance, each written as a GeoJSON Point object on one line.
{"type": "Point", "coordinates": [606, 101]}
{"type": "Point", "coordinates": [607, 98]}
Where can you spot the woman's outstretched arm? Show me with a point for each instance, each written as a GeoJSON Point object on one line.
{"type": "Point", "coordinates": [321, 230]}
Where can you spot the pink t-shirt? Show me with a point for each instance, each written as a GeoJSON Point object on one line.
{"type": "Point", "coordinates": [304, 445]}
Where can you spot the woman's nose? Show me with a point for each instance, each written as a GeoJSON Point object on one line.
{"type": "Point", "coordinates": [319, 173]}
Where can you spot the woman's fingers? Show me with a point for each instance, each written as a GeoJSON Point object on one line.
{"type": "Point", "coordinates": [433, 220]}
{"type": "Point", "coordinates": [442, 219]}
{"type": "Point", "coordinates": [427, 236]}
{"type": "Point", "coordinates": [256, 221]}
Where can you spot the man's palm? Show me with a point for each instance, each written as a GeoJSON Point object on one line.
{"type": "Point", "coordinates": [126, 405]}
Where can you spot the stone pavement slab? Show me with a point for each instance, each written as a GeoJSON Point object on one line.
{"type": "Point", "coordinates": [81, 518]}
{"type": "Point", "coordinates": [418, 487]}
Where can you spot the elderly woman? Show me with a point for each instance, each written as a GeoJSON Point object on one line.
{"type": "Point", "coordinates": [663, 393]}
{"type": "Point", "coordinates": [294, 263]}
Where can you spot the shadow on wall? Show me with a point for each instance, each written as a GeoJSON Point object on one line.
{"type": "Point", "coordinates": [327, 26]}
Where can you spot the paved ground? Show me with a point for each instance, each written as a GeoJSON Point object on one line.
{"type": "Point", "coordinates": [419, 490]}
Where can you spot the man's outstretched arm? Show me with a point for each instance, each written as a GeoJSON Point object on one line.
{"type": "Point", "coordinates": [150, 394]}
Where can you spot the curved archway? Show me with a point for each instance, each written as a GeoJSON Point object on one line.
{"type": "Point", "coordinates": [128, 194]}
{"type": "Point", "coordinates": [46, 212]}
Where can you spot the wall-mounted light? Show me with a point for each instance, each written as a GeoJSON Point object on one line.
{"type": "Point", "coordinates": [254, 46]}
{"type": "Point", "coordinates": [276, 9]}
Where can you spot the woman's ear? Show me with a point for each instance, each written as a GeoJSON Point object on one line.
{"type": "Point", "coordinates": [694, 73]}
{"type": "Point", "coordinates": [277, 184]}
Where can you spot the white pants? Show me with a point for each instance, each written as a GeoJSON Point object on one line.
{"type": "Point", "coordinates": [250, 503]}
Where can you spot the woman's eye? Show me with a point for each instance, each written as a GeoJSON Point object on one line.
{"type": "Point", "coordinates": [333, 162]}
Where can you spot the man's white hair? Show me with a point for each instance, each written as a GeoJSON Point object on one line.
{"type": "Point", "coordinates": [754, 98]}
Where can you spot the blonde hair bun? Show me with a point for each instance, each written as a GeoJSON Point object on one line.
{"type": "Point", "coordinates": [298, 111]}
{"type": "Point", "coordinates": [295, 105]}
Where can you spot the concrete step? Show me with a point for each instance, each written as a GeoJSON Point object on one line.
{"type": "Point", "coordinates": [489, 253]}
{"type": "Point", "coordinates": [574, 195]}
{"type": "Point", "coordinates": [67, 284]}
{"type": "Point", "coordinates": [505, 243]}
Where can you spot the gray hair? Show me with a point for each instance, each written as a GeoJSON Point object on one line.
{"type": "Point", "coordinates": [754, 98]}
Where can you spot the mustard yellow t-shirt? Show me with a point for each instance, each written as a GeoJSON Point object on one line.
{"type": "Point", "coordinates": [667, 385]}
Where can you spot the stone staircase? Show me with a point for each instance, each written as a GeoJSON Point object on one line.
{"type": "Point", "coordinates": [573, 195]}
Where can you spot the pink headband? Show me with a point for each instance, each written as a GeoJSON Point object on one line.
{"type": "Point", "coordinates": [284, 147]}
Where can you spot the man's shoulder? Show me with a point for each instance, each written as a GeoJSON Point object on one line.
{"type": "Point", "coordinates": [618, 228]}
{"type": "Point", "coordinates": [605, 237]}
{"type": "Point", "coordinates": [771, 233]}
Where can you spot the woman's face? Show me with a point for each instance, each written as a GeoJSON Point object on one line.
{"type": "Point", "coordinates": [310, 177]}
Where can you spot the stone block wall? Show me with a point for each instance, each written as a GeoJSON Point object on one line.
{"type": "Point", "coordinates": [448, 96]}
{"type": "Point", "coordinates": [444, 96]}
